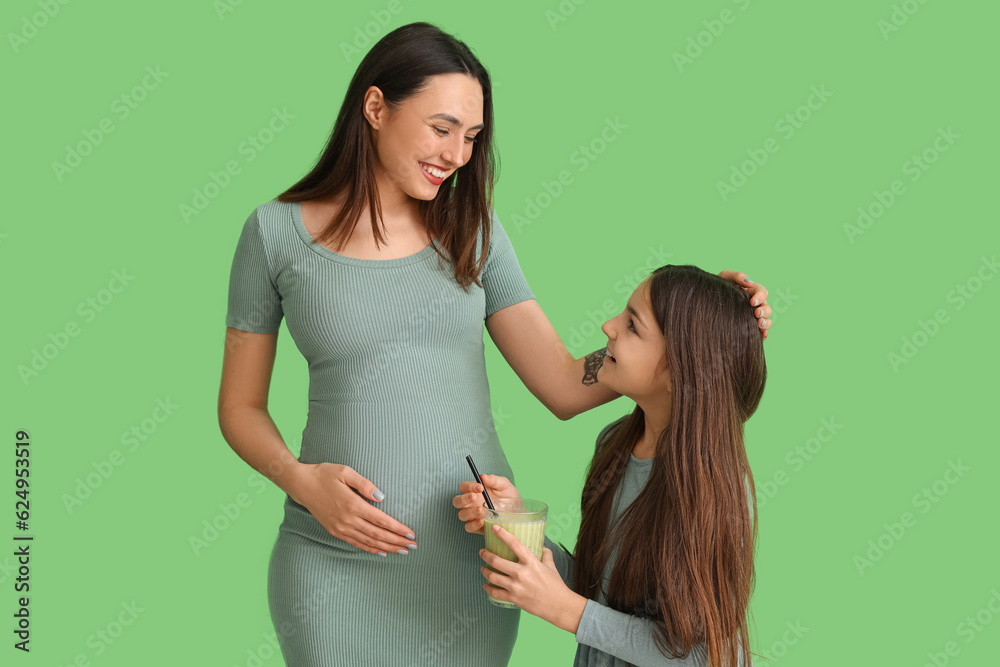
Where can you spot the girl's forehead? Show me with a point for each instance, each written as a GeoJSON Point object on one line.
{"type": "Point", "coordinates": [640, 297]}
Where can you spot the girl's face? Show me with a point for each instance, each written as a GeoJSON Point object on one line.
{"type": "Point", "coordinates": [635, 365]}
{"type": "Point", "coordinates": [428, 136]}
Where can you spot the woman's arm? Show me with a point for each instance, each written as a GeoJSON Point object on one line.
{"type": "Point", "coordinates": [244, 419]}
{"type": "Point", "coordinates": [527, 340]}
{"type": "Point", "coordinates": [565, 385]}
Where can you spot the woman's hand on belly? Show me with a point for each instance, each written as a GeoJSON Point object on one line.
{"type": "Point", "coordinates": [333, 495]}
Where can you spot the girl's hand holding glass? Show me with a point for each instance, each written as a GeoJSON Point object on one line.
{"type": "Point", "coordinates": [533, 585]}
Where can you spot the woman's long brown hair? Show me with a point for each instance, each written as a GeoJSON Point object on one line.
{"type": "Point", "coordinates": [400, 65]}
{"type": "Point", "coordinates": [685, 546]}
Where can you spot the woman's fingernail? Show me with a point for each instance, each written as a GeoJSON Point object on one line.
{"type": "Point", "coordinates": [747, 280]}
{"type": "Point", "coordinates": [403, 551]}
{"type": "Point", "coordinates": [382, 554]}
{"type": "Point", "coordinates": [755, 301]}
{"type": "Point", "coordinates": [409, 536]}
{"type": "Point", "coordinates": [378, 495]}
{"type": "Point", "coordinates": [411, 546]}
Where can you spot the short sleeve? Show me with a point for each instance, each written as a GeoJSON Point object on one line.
{"type": "Point", "coordinates": [502, 279]}
{"type": "Point", "coordinates": [254, 301]}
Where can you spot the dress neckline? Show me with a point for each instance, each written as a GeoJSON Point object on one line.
{"type": "Point", "coordinates": [323, 251]}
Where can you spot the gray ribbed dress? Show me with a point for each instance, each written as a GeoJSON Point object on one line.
{"type": "Point", "coordinates": [397, 391]}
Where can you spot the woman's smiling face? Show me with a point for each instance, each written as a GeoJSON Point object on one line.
{"type": "Point", "coordinates": [428, 136]}
{"type": "Point", "coordinates": [635, 365]}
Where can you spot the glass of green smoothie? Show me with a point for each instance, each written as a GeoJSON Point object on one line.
{"type": "Point", "coordinates": [524, 519]}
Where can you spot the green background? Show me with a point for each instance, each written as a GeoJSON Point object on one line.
{"type": "Point", "coordinates": [842, 302]}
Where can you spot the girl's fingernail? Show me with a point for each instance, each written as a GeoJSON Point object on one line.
{"type": "Point", "coordinates": [411, 546]}
{"type": "Point", "coordinates": [382, 554]}
{"type": "Point", "coordinates": [403, 551]}
{"type": "Point", "coordinates": [755, 301]}
{"type": "Point", "coordinates": [409, 536]}
{"type": "Point", "coordinates": [378, 495]}
{"type": "Point", "coordinates": [747, 280]}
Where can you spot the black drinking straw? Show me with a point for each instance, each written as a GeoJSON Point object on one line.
{"type": "Point", "coordinates": [479, 480]}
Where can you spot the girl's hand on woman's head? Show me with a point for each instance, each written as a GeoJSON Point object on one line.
{"type": "Point", "coordinates": [533, 585]}
{"type": "Point", "coordinates": [470, 503]}
{"type": "Point", "coordinates": [757, 295]}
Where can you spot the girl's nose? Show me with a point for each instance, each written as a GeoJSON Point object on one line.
{"type": "Point", "coordinates": [607, 329]}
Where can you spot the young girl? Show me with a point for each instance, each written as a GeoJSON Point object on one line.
{"type": "Point", "coordinates": [667, 531]}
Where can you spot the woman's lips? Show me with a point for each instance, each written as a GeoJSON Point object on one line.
{"type": "Point", "coordinates": [430, 177]}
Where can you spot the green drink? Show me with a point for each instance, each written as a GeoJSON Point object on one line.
{"type": "Point", "coordinates": [522, 518]}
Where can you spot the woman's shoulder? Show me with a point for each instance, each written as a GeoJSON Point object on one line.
{"type": "Point", "coordinates": [274, 214]}
{"type": "Point", "coordinates": [274, 221]}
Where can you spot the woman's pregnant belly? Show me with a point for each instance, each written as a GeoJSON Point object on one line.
{"type": "Point", "coordinates": [413, 453]}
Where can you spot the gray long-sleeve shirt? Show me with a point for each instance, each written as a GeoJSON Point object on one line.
{"type": "Point", "coordinates": [608, 637]}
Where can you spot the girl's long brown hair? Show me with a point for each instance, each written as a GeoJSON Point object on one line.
{"type": "Point", "coordinates": [400, 65]}
{"type": "Point", "coordinates": [685, 546]}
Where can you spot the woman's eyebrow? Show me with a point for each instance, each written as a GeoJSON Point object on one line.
{"type": "Point", "coordinates": [454, 121]}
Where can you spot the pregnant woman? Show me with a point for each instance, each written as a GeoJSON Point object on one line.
{"type": "Point", "coordinates": [385, 261]}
